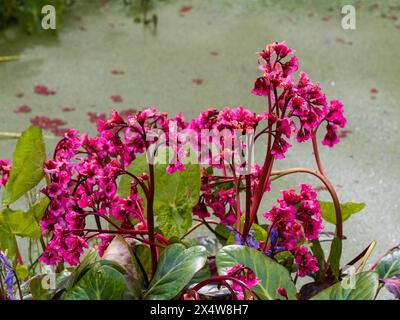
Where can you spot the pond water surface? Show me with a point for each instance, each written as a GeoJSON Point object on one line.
{"type": "Point", "coordinates": [203, 55]}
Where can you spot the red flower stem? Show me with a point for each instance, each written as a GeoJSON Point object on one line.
{"type": "Point", "coordinates": [201, 222]}
{"type": "Point", "coordinates": [248, 204]}
{"type": "Point", "coordinates": [120, 231]}
{"type": "Point", "coordinates": [150, 220]}
{"type": "Point", "coordinates": [237, 202]}
{"type": "Point", "coordinates": [98, 222]}
{"type": "Point", "coordinates": [207, 221]}
{"type": "Point", "coordinates": [88, 238]}
{"type": "Point", "coordinates": [222, 182]}
{"type": "Point", "coordinates": [259, 192]}
{"type": "Point", "coordinates": [206, 224]}
{"type": "Point", "coordinates": [20, 261]}
{"type": "Point", "coordinates": [99, 215]}
{"type": "Point", "coordinates": [316, 154]}
{"type": "Point", "coordinates": [265, 173]}
{"type": "Point", "coordinates": [139, 181]}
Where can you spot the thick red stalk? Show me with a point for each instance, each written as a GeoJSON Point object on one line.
{"type": "Point", "coordinates": [150, 220]}
{"type": "Point", "coordinates": [248, 204]}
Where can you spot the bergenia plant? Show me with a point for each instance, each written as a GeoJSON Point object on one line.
{"type": "Point", "coordinates": [157, 207]}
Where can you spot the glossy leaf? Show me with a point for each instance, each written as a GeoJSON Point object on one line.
{"type": "Point", "coordinates": [101, 282]}
{"type": "Point", "coordinates": [362, 286]}
{"type": "Point", "coordinates": [83, 267]}
{"type": "Point", "coordinates": [272, 274]}
{"type": "Point", "coordinates": [120, 252]}
{"type": "Point", "coordinates": [176, 267]}
{"type": "Point", "coordinates": [348, 209]}
{"type": "Point", "coordinates": [389, 265]}
{"type": "Point", "coordinates": [27, 165]}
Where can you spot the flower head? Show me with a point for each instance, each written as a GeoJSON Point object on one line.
{"type": "Point", "coordinates": [244, 275]}
{"type": "Point", "coordinates": [5, 168]}
{"type": "Point", "coordinates": [83, 180]}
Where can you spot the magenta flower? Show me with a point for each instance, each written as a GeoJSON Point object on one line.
{"type": "Point", "coordinates": [297, 218]}
{"type": "Point", "coordinates": [83, 178]}
{"type": "Point", "coordinates": [5, 168]}
{"type": "Point", "coordinates": [334, 118]}
{"type": "Point", "coordinates": [201, 211]}
{"type": "Point", "coordinates": [306, 261]}
{"type": "Point", "coordinates": [246, 276]}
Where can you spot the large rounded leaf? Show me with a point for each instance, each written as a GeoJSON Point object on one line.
{"type": "Point", "coordinates": [389, 266]}
{"type": "Point", "coordinates": [176, 267]}
{"type": "Point", "coordinates": [362, 286]}
{"type": "Point", "coordinates": [101, 282]}
{"type": "Point", "coordinates": [271, 273]}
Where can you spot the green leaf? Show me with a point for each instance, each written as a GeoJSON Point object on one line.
{"type": "Point", "coordinates": [22, 272]}
{"type": "Point", "coordinates": [83, 267]}
{"type": "Point", "coordinates": [101, 282]}
{"type": "Point", "coordinates": [120, 252]}
{"type": "Point", "coordinates": [19, 223]}
{"type": "Point", "coordinates": [222, 233]}
{"type": "Point", "coordinates": [348, 209]}
{"type": "Point", "coordinates": [286, 259]}
{"type": "Point", "coordinates": [175, 194]}
{"type": "Point", "coordinates": [389, 265]}
{"type": "Point", "coordinates": [39, 208]}
{"type": "Point", "coordinates": [16, 223]}
{"type": "Point", "coordinates": [8, 243]}
{"type": "Point", "coordinates": [362, 286]}
{"type": "Point", "coordinates": [41, 288]}
{"type": "Point", "coordinates": [335, 255]}
{"type": "Point", "coordinates": [318, 253]}
{"type": "Point", "coordinates": [259, 233]}
{"type": "Point", "coordinates": [142, 254]}
{"type": "Point", "coordinates": [271, 274]}
{"type": "Point", "coordinates": [27, 168]}
{"type": "Point", "coordinates": [176, 267]}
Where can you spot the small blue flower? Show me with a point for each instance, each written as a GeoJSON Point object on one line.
{"type": "Point", "coordinates": [9, 279]}
{"type": "Point", "coordinates": [273, 237]}
{"type": "Point", "coordinates": [250, 240]}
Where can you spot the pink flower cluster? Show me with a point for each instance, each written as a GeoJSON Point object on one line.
{"type": "Point", "coordinates": [296, 219]}
{"type": "Point", "coordinates": [221, 129]}
{"type": "Point", "coordinates": [300, 100]}
{"type": "Point", "coordinates": [218, 197]}
{"type": "Point", "coordinates": [221, 201]}
{"type": "Point", "coordinates": [5, 168]}
{"type": "Point", "coordinates": [83, 182]}
{"type": "Point", "coordinates": [84, 170]}
{"type": "Point", "coordinates": [246, 276]}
